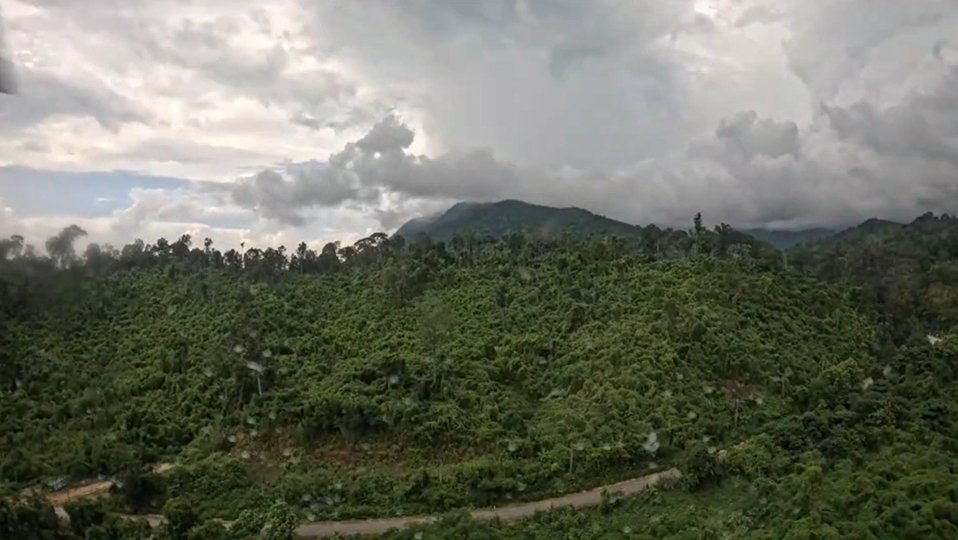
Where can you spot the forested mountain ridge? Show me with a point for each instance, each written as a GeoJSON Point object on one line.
{"type": "Point", "coordinates": [503, 218]}
{"type": "Point", "coordinates": [783, 239]}
{"type": "Point", "coordinates": [908, 273]}
{"type": "Point", "coordinates": [397, 376]}
{"type": "Point", "coordinates": [500, 219]}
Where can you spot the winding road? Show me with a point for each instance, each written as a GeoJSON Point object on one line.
{"type": "Point", "coordinates": [326, 529]}
{"type": "Point", "coordinates": [582, 499]}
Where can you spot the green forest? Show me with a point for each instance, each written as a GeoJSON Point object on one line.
{"type": "Point", "coordinates": [807, 393]}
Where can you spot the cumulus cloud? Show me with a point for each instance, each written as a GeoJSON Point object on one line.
{"type": "Point", "coordinates": [536, 82]}
{"type": "Point", "coordinates": [750, 171]}
{"type": "Point", "coordinates": [875, 137]}
{"type": "Point", "coordinates": [848, 50]}
{"type": "Point", "coordinates": [921, 124]}
{"type": "Point", "coordinates": [388, 135]}
{"type": "Point", "coordinates": [180, 205]}
{"type": "Point", "coordinates": [377, 163]}
{"type": "Point", "coordinates": [203, 90]}
{"type": "Point", "coordinates": [747, 135]}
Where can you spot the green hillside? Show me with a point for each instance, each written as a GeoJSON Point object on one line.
{"type": "Point", "coordinates": [908, 273]}
{"type": "Point", "coordinates": [783, 239]}
{"type": "Point", "coordinates": [391, 377]}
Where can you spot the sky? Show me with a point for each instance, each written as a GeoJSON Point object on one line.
{"type": "Point", "coordinates": [278, 121]}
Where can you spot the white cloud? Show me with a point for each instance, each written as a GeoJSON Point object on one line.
{"type": "Point", "coordinates": [6, 216]}
{"type": "Point", "coordinates": [200, 211]}
{"type": "Point", "coordinates": [168, 86]}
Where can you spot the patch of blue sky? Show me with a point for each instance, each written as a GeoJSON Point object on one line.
{"type": "Point", "coordinates": [40, 193]}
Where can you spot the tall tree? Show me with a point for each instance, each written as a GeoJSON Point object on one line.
{"type": "Point", "coordinates": [60, 247]}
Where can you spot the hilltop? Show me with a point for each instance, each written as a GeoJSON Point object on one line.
{"type": "Point", "coordinates": [502, 218]}
{"type": "Point", "coordinates": [499, 219]}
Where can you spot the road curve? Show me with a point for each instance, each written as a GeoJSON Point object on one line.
{"type": "Point", "coordinates": [582, 499]}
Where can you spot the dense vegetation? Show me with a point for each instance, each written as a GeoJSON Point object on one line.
{"type": "Point", "coordinates": [785, 239]}
{"type": "Point", "coordinates": [390, 377]}
{"type": "Point", "coordinates": [908, 273]}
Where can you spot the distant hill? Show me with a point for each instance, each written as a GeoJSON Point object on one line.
{"type": "Point", "coordinates": [789, 239]}
{"type": "Point", "coordinates": [502, 218]}
{"type": "Point", "coordinates": [907, 273]}
{"type": "Point", "coordinates": [506, 217]}
{"type": "Point", "coordinates": [873, 227]}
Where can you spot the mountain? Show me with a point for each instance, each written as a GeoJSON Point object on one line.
{"type": "Point", "coordinates": [783, 239]}
{"type": "Point", "coordinates": [870, 228]}
{"type": "Point", "coordinates": [789, 239]}
{"type": "Point", "coordinates": [907, 273]}
{"type": "Point", "coordinates": [502, 218]}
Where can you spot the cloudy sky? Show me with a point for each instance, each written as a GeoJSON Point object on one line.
{"type": "Point", "coordinates": [275, 121]}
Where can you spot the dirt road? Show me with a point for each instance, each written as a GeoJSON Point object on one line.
{"type": "Point", "coordinates": [93, 489]}
{"type": "Point", "coordinates": [582, 499]}
{"type": "Point", "coordinates": [325, 529]}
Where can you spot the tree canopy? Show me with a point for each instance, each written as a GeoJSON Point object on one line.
{"type": "Point", "coordinates": [400, 377]}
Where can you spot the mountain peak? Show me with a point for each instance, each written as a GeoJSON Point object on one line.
{"type": "Point", "coordinates": [509, 216]}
